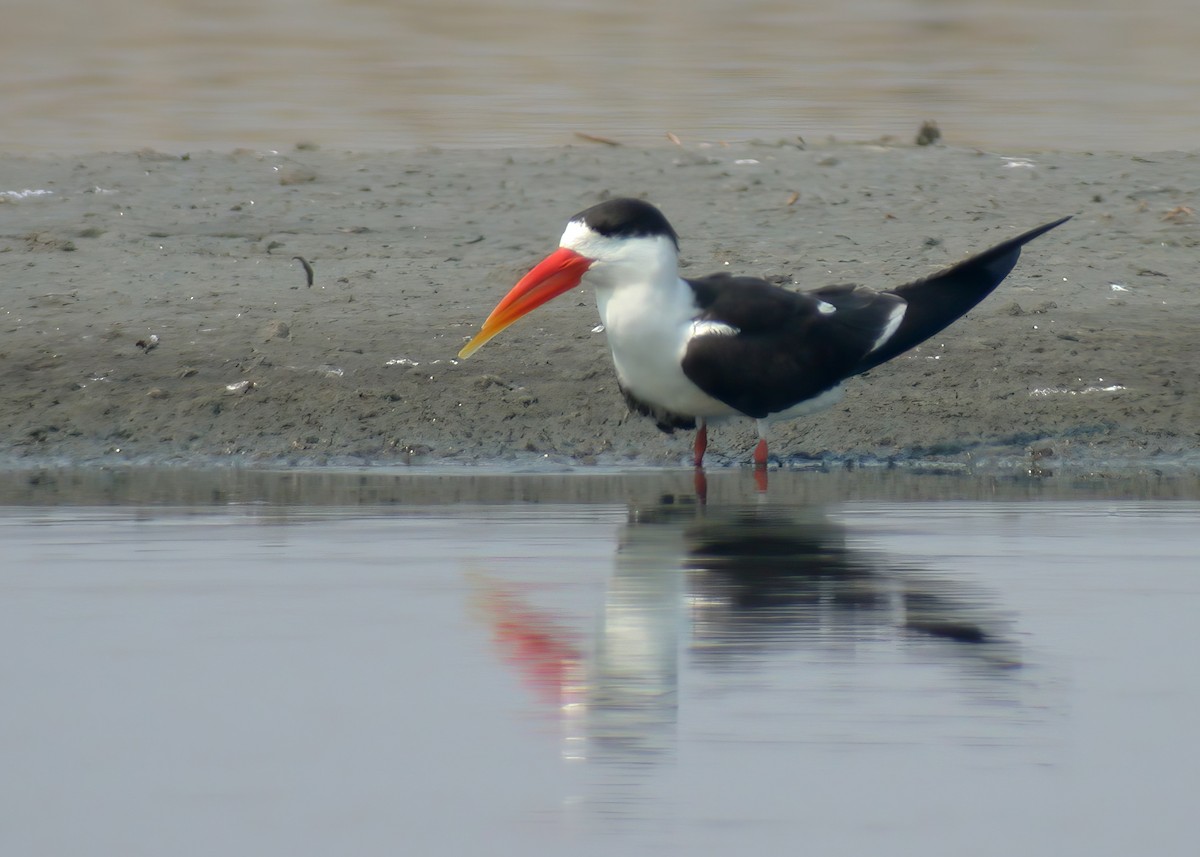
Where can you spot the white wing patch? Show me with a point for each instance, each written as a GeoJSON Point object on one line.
{"type": "Point", "coordinates": [712, 328]}
{"type": "Point", "coordinates": [894, 318]}
{"type": "Point", "coordinates": [825, 308]}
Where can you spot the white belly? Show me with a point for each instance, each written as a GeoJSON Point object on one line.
{"type": "Point", "coordinates": [810, 406]}
{"type": "Point", "coordinates": [667, 387]}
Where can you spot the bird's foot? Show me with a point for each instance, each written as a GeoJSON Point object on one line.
{"type": "Point", "coordinates": [760, 465]}
{"type": "Point", "coordinates": [701, 445]}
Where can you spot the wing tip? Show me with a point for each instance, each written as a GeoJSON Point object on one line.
{"type": "Point", "coordinates": [1026, 237]}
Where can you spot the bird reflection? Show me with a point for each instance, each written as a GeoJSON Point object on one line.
{"type": "Point", "coordinates": [759, 577]}
{"type": "Point", "coordinates": [724, 588]}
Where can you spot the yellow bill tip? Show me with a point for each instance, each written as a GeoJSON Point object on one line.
{"type": "Point", "coordinates": [469, 349]}
{"type": "Point", "coordinates": [479, 340]}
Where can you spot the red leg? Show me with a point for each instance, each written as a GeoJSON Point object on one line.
{"type": "Point", "coordinates": [701, 444]}
{"type": "Point", "coordinates": [701, 484]}
{"type": "Point", "coordinates": [760, 453]}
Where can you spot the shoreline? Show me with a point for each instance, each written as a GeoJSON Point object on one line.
{"type": "Point", "coordinates": [1086, 354]}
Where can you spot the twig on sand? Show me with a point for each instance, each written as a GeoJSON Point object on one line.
{"type": "Point", "coordinates": [592, 138]}
{"type": "Point", "coordinates": [308, 269]}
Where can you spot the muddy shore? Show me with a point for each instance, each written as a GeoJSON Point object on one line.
{"type": "Point", "coordinates": [1088, 355]}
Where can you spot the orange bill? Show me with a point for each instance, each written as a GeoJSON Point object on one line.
{"type": "Point", "coordinates": [559, 272]}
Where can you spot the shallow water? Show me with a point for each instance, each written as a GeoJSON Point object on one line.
{"type": "Point", "coordinates": [621, 671]}
{"type": "Point", "coordinates": [214, 74]}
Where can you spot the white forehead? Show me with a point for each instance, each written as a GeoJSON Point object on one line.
{"type": "Point", "coordinates": [580, 237]}
{"type": "Point", "coordinates": [585, 241]}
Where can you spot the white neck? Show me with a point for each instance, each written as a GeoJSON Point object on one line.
{"type": "Point", "coordinates": [637, 282]}
{"type": "Point", "coordinates": [647, 311]}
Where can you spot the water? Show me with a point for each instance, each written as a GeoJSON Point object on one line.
{"type": "Point", "coordinates": [1076, 75]}
{"type": "Point", "coordinates": [315, 663]}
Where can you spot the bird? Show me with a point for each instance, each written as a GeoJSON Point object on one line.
{"type": "Point", "coordinates": [690, 352]}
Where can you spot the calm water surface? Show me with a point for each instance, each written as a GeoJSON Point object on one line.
{"type": "Point", "coordinates": [573, 664]}
{"type": "Point", "coordinates": [85, 75]}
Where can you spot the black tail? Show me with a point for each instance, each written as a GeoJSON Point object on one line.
{"type": "Point", "coordinates": [936, 302]}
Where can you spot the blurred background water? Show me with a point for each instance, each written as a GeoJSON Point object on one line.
{"type": "Point", "coordinates": [85, 75]}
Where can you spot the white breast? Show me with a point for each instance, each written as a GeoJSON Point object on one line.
{"type": "Point", "coordinates": [648, 330]}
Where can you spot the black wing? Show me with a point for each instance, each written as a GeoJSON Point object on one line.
{"type": "Point", "coordinates": [936, 302]}
{"type": "Point", "coordinates": [788, 346]}
{"type": "Point", "coordinates": [792, 346]}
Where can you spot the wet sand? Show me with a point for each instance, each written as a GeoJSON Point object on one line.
{"type": "Point", "coordinates": [1084, 358]}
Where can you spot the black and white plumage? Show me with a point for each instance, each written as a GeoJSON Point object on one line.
{"type": "Point", "coordinates": [691, 351]}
